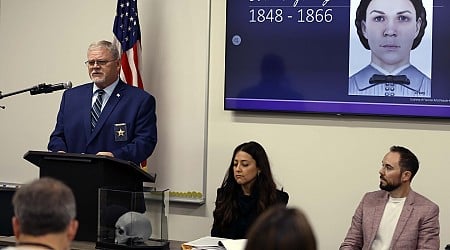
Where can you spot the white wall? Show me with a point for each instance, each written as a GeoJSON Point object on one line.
{"type": "Point", "coordinates": [326, 163]}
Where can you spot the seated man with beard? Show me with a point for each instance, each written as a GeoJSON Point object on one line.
{"type": "Point", "coordinates": [395, 217]}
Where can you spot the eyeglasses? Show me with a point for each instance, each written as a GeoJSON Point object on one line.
{"type": "Point", "coordinates": [91, 63]}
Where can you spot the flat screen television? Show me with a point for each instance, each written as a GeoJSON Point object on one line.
{"type": "Point", "coordinates": [307, 56]}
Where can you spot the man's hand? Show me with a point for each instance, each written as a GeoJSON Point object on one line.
{"type": "Point", "coordinates": [105, 154]}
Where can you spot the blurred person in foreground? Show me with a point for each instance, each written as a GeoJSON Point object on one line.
{"type": "Point", "coordinates": [281, 228]}
{"type": "Point", "coordinates": [44, 216]}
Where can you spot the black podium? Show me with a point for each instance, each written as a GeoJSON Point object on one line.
{"type": "Point", "coordinates": [7, 191]}
{"type": "Point", "coordinates": [85, 174]}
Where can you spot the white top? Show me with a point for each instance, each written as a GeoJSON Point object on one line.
{"type": "Point", "coordinates": [388, 223]}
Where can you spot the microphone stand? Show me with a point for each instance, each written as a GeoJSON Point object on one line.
{"type": "Point", "coordinates": [32, 89]}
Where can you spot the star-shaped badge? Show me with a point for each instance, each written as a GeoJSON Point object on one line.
{"type": "Point", "coordinates": [120, 132]}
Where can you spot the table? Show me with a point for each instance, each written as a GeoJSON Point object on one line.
{"type": "Point", "coordinates": [79, 245]}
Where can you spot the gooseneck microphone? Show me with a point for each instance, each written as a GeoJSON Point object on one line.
{"type": "Point", "coordinates": [39, 89]}
{"type": "Point", "coordinates": [48, 88]}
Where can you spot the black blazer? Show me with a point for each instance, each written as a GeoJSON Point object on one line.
{"type": "Point", "coordinates": [247, 215]}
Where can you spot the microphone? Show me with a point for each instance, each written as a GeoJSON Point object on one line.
{"type": "Point", "coordinates": [48, 88]}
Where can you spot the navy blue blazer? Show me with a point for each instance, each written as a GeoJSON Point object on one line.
{"type": "Point", "coordinates": [126, 127]}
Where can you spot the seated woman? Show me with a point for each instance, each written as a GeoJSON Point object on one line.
{"type": "Point", "coordinates": [281, 228]}
{"type": "Point", "coordinates": [247, 190]}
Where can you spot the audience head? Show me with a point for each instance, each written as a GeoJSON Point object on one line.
{"type": "Point", "coordinates": [408, 161]}
{"type": "Point", "coordinates": [398, 168]}
{"type": "Point", "coordinates": [44, 207]}
{"type": "Point", "coordinates": [249, 166]}
{"type": "Point", "coordinates": [281, 228]}
{"type": "Point", "coordinates": [249, 173]}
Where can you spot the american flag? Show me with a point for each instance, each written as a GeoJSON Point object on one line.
{"type": "Point", "coordinates": [127, 36]}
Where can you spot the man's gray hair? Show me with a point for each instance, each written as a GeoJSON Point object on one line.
{"type": "Point", "coordinates": [44, 206]}
{"type": "Point", "coordinates": [111, 47]}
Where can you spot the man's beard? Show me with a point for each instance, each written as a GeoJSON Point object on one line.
{"type": "Point", "coordinates": [389, 187]}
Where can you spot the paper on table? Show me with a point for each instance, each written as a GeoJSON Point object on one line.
{"type": "Point", "coordinates": [230, 244]}
{"type": "Point", "coordinates": [210, 243]}
{"type": "Point", "coordinates": [207, 242]}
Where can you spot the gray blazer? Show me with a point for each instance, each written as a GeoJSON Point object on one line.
{"type": "Point", "coordinates": [417, 227]}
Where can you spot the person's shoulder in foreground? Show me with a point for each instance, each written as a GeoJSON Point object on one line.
{"type": "Point", "coordinates": [44, 215]}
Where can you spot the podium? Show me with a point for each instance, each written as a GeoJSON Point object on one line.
{"type": "Point", "coordinates": [7, 191]}
{"type": "Point", "coordinates": [85, 174]}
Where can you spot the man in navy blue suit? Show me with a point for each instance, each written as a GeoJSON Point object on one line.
{"type": "Point", "coordinates": [125, 124]}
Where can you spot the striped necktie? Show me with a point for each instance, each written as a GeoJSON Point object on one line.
{"type": "Point", "coordinates": [96, 108]}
